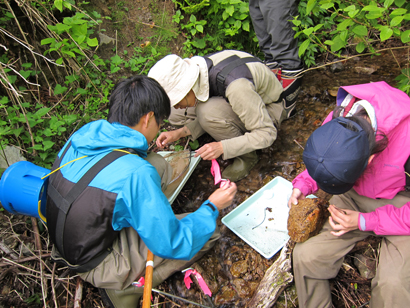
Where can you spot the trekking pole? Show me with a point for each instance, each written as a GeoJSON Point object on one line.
{"type": "Point", "coordinates": [149, 268]}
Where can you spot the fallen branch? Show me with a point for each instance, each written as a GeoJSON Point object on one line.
{"type": "Point", "coordinates": [276, 279]}
{"type": "Point", "coordinates": [46, 255]}
{"type": "Point", "coordinates": [8, 251]}
{"type": "Point", "coordinates": [78, 293]}
{"type": "Point", "coordinates": [38, 248]}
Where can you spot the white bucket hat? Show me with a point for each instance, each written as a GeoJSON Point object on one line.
{"type": "Point", "coordinates": [176, 75]}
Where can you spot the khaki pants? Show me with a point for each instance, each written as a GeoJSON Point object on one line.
{"type": "Point", "coordinates": [126, 263]}
{"type": "Point", "coordinates": [217, 118]}
{"type": "Point", "coordinates": [320, 258]}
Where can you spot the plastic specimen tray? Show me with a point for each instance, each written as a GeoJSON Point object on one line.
{"type": "Point", "coordinates": [171, 195]}
{"type": "Point", "coordinates": [245, 221]}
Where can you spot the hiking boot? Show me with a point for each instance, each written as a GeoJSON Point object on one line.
{"type": "Point", "coordinates": [291, 81]}
{"type": "Point", "coordinates": [240, 167]}
{"type": "Point", "coordinates": [128, 297]}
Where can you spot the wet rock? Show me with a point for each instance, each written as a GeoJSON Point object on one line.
{"type": "Point", "coordinates": [251, 183]}
{"type": "Point", "coordinates": [336, 67]}
{"type": "Point", "coordinates": [244, 288]}
{"type": "Point", "coordinates": [226, 296]}
{"type": "Point", "coordinates": [9, 156]}
{"type": "Point", "coordinates": [209, 274]}
{"type": "Point", "coordinates": [333, 91]}
{"type": "Point", "coordinates": [239, 268]}
{"type": "Point", "coordinates": [306, 219]}
{"type": "Point", "coordinates": [289, 169]}
{"type": "Point", "coordinates": [313, 91]}
{"type": "Point", "coordinates": [365, 70]}
{"type": "Point", "coordinates": [267, 179]}
{"type": "Point", "coordinates": [27, 249]}
{"type": "Point", "coordinates": [105, 39]}
{"type": "Point", "coordinates": [365, 265]}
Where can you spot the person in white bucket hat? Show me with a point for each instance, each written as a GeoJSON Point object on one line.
{"type": "Point", "coordinates": [237, 99]}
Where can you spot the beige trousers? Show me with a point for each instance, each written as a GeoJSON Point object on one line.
{"type": "Point", "coordinates": [320, 258]}
{"type": "Point", "coordinates": [126, 263]}
{"type": "Point", "coordinates": [217, 118]}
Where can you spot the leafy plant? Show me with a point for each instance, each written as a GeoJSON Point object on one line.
{"type": "Point", "coordinates": [178, 147]}
{"type": "Point", "coordinates": [334, 26]}
{"type": "Point", "coordinates": [34, 299]}
{"type": "Point", "coordinates": [225, 24]}
{"type": "Point", "coordinates": [194, 144]}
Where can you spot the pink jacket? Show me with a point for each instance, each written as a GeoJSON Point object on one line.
{"type": "Point", "coordinates": [384, 177]}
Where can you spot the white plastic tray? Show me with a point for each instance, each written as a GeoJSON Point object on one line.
{"type": "Point", "coordinates": [192, 165]}
{"type": "Point", "coordinates": [270, 236]}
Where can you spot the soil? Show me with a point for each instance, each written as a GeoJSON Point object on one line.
{"type": "Point", "coordinates": [232, 268]}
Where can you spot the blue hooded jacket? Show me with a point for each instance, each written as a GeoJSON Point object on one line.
{"type": "Point", "coordinates": [139, 202]}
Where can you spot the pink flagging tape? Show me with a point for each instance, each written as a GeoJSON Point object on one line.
{"type": "Point", "coordinates": [140, 283]}
{"type": "Point", "coordinates": [216, 172]}
{"type": "Point", "coordinates": [201, 281]}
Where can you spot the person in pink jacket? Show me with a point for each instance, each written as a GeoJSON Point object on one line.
{"type": "Point", "coordinates": [359, 155]}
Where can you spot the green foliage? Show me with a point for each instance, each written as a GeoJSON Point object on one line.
{"type": "Point", "coordinates": [34, 299]}
{"type": "Point", "coordinates": [178, 148]}
{"type": "Point", "coordinates": [224, 24]}
{"type": "Point", "coordinates": [404, 80]}
{"type": "Point", "coordinates": [78, 29]}
{"type": "Point", "coordinates": [335, 25]}
{"type": "Point", "coordinates": [40, 110]}
{"type": "Point", "coordinates": [40, 119]}
{"type": "Point", "coordinates": [194, 144]}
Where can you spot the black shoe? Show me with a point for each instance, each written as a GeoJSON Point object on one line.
{"type": "Point", "coordinates": [104, 297]}
{"type": "Point", "coordinates": [291, 81]}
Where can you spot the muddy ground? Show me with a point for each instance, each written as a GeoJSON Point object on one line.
{"type": "Point", "coordinates": [232, 269]}
{"type": "Point", "coordinates": [235, 267]}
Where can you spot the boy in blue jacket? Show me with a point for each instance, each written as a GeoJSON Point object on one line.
{"type": "Point", "coordinates": [123, 212]}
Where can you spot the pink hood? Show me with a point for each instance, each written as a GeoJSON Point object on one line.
{"type": "Point", "coordinates": [384, 177]}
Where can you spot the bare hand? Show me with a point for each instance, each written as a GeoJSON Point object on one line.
{"type": "Point", "coordinates": [210, 151]}
{"type": "Point", "coordinates": [167, 137]}
{"type": "Point", "coordinates": [296, 195]}
{"type": "Point", "coordinates": [342, 221]}
{"type": "Point", "coordinates": [222, 197]}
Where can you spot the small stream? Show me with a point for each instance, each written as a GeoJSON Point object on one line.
{"type": "Point", "coordinates": [234, 269]}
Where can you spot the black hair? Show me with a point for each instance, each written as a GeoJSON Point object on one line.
{"type": "Point", "coordinates": [377, 142]}
{"type": "Point", "coordinates": [136, 96]}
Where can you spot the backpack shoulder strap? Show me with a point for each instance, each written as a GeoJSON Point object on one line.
{"type": "Point", "coordinates": [64, 203]}
{"type": "Point", "coordinates": [221, 77]}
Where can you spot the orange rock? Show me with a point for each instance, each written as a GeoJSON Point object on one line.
{"type": "Point", "coordinates": [306, 218]}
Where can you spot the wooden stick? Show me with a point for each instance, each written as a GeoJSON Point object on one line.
{"type": "Point", "coordinates": [149, 269]}
{"type": "Point", "coordinates": [277, 277]}
{"type": "Point", "coordinates": [6, 249]}
{"type": "Point", "coordinates": [78, 293]}
{"type": "Point", "coordinates": [37, 242]}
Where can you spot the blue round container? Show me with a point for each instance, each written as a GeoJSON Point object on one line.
{"type": "Point", "coordinates": [22, 191]}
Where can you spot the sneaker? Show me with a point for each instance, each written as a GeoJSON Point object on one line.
{"type": "Point", "coordinates": [291, 81]}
